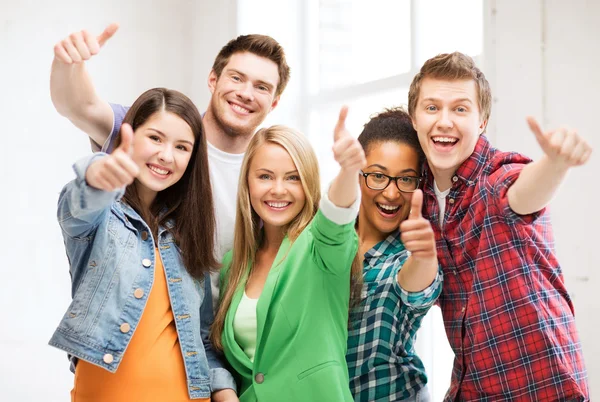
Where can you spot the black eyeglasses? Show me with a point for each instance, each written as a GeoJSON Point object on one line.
{"type": "Point", "coordinates": [380, 181]}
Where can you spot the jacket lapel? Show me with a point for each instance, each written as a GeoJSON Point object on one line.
{"type": "Point", "coordinates": [264, 301]}
{"type": "Point", "coordinates": [239, 356]}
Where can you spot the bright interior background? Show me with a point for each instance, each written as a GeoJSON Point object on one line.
{"type": "Point", "coordinates": [540, 57]}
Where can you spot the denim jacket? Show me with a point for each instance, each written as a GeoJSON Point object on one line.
{"type": "Point", "coordinates": [111, 255]}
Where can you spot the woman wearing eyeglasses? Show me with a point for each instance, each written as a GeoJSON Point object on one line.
{"type": "Point", "coordinates": [401, 273]}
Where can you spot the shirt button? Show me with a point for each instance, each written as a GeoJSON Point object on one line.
{"type": "Point", "coordinates": [259, 378]}
{"type": "Point", "coordinates": [146, 262]}
{"type": "Point", "coordinates": [108, 358]}
{"type": "Point", "coordinates": [470, 182]}
{"type": "Point", "coordinates": [125, 327]}
{"type": "Point", "coordinates": [144, 235]}
{"type": "Point", "coordinates": [451, 200]}
{"type": "Point", "coordinates": [455, 178]}
{"type": "Point", "coordinates": [454, 272]}
{"type": "Point", "coordinates": [138, 293]}
{"type": "Point", "coordinates": [463, 309]}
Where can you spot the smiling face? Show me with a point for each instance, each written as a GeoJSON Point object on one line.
{"type": "Point", "coordinates": [275, 188]}
{"type": "Point", "coordinates": [244, 93]}
{"type": "Point", "coordinates": [162, 148]}
{"type": "Point", "coordinates": [381, 211]}
{"type": "Point", "coordinates": [448, 122]}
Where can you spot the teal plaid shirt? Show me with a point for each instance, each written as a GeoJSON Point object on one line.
{"type": "Point", "coordinates": [381, 357]}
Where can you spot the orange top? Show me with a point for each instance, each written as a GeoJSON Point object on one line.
{"type": "Point", "coordinates": [152, 368]}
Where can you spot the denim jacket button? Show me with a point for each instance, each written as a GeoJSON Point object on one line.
{"type": "Point", "coordinates": [125, 327]}
{"type": "Point", "coordinates": [144, 235]}
{"type": "Point", "coordinates": [259, 378]}
{"type": "Point", "coordinates": [138, 293]}
{"type": "Point", "coordinates": [146, 262]}
{"type": "Point", "coordinates": [108, 358]}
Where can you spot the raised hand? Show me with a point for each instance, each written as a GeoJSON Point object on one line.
{"type": "Point", "coordinates": [416, 232]}
{"type": "Point", "coordinates": [347, 151]}
{"type": "Point", "coordinates": [117, 169]}
{"type": "Point", "coordinates": [563, 146]}
{"type": "Point", "coordinates": [81, 46]}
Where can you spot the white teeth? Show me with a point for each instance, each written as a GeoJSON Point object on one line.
{"type": "Point", "coordinates": [158, 170]}
{"type": "Point", "coordinates": [278, 204]}
{"type": "Point", "coordinates": [389, 207]}
{"type": "Point", "coordinates": [239, 108]}
{"type": "Point", "coordinates": [444, 139]}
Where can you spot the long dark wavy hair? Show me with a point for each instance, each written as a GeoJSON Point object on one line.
{"type": "Point", "coordinates": [188, 202]}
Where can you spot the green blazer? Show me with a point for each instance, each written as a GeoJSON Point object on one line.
{"type": "Point", "coordinates": [302, 320]}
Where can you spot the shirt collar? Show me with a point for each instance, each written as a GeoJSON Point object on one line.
{"type": "Point", "coordinates": [470, 169]}
{"type": "Point", "coordinates": [389, 246]}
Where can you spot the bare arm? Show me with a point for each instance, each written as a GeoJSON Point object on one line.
{"type": "Point", "coordinates": [349, 154]}
{"type": "Point", "coordinates": [419, 271]}
{"type": "Point", "coordinates": [539, 180]}
{"type": "Point", "coordinates": [71, 88]}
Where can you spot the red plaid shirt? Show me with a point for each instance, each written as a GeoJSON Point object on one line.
{"type": "Point", "coordinates": [508, 316]}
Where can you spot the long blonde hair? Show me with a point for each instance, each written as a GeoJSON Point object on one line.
{"type": "Point", "coordinates": [246, 239]}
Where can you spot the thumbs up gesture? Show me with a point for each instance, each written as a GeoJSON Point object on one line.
{"type": "Point", "coordinates": [117, 169]}
{"type": "Point", "coordinates": [416, 232]}
{"type": "Point", "coordinates": [347, 151]}
{"type": "Point", "coordinates": [81, 46]}
{"type": "Point", "coordinates": [563, 146]}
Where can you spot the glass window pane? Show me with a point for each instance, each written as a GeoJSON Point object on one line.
{"type": "Point", "coordinates": [361, 41]}
{"type": "Point", "coordinates": [446, 26]}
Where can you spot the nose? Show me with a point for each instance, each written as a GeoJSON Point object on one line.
{"type": "Point", "coordinates": [246, 91]}
{"type": "Point", "coordinates": [166, 154]}
{"type": "Point", "coordinates": [278, 188]}
{"type": "Point", "coordinates": [391, 192]}
{"type": "Point", "coordinates": [445, 121]}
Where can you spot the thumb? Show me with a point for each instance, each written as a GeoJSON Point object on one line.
{"type": "Point", "coordinates": [109, 31]}
{"type": "Point", "coordinates": [340, 127]}
{"type": "Point", "coordinates": [537, 131]}
{"type": "Point", "coordinates": [416, 205]}
{"type": "Point", "coordinates": [126, 139]}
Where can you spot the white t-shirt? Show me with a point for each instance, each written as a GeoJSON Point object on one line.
{"type": "Point", "coordinates": [224, 176]}
{"type": "Point", "coordinates": [245, 325]}
{"type": "Point", "coordinates": [441, 199]}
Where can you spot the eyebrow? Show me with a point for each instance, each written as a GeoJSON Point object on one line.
{"type": "Point", "coordinates": [460, 100]}
{"type": "Point", "coordinates": [272, 172]}
{"type": "Point", "coordinates": [268, 84]}
{"type": "Point", "coordinates": [165, 136]}
{"type": "Point", "coordinates": [384, 168]}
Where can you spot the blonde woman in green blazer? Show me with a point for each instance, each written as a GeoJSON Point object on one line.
{"type": "Point", "coordinates": [283, 318]}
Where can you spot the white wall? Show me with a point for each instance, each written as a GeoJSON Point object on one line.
{"type": "Point", "coordinates": [542, 58]}
{"type": "Point", "coordinates": [152, 48]}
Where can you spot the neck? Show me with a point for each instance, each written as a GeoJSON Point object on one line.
{"type": "Point", "coordinates": [273, 237]}
{"type": "Point", "coordinates": [221, 138]}
{"type": "Point", "coordinates": [443, 178]}
{"type": "Point", "coordinates": [368, 236]}
{"type": "Point", "coordinates": [146, 195]}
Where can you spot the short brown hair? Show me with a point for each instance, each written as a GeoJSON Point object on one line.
{"type": "Point", "coordinates": [452, 66]}
{"type": "Point", "coordinates": [260, 45]}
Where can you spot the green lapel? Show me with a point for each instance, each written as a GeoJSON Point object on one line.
{"type": "Point", "coordinates": [264, 301]}
{"type": "Point", "coordinates": [229, 336]}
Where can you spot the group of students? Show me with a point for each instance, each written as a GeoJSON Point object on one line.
{"type": "Point", "coordinates": [306, 296]}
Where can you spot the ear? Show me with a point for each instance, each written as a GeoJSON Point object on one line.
{"type": "Point", "coordinates": [414, 123]}
{"type": "Point", "coordinates": [275, 103]}
{"type": "Point", "coordinates": [212, 81]}
{"type": "Point", "coordinates": [482, 127]}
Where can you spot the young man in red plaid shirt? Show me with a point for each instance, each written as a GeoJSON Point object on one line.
{"type": "Point", "coordinates": [508, 316]}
